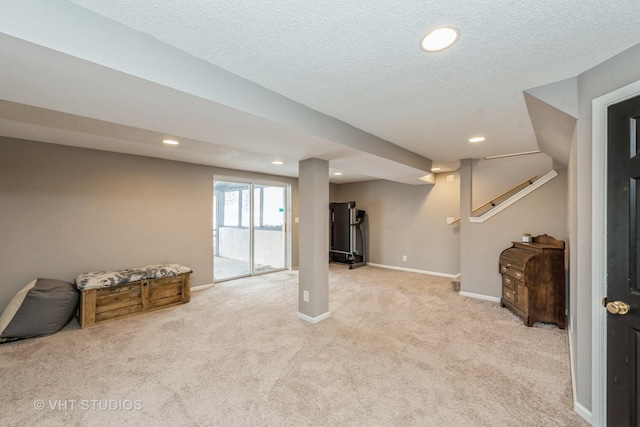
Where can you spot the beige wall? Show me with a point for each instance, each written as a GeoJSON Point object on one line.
{"type": "Point", "coordinates": [495, 176]}
{"type": "Point", "coordinates": [409, 220]}
{"type": "Point", "coordinates": [543, 211]}
{"type": "Point", "coordinates": [572, 220]}
{"type": "Point", "coordinates": [67, 210]}
{"type": "Point", "coordinates": [615, 73]}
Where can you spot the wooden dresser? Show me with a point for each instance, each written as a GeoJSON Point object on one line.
{"type": "Point", "coordinates": [533, 280]}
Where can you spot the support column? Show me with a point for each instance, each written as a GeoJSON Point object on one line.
{"type": "Point", "coordinates": [314, 240]}
{"type": "Point", "coordinates": [466, 247]}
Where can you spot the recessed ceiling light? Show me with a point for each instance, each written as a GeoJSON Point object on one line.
{"type": "Point", "coordinates": [477, 139]}
{"type": "Point", "coordinates": [276, 162]}
{"type": "Point", "coordinates": [439, 39]}
{"type": "Point", "coordinates": [170, 141]}
{"type": "Point", "coordinates": [337, 173]}
{"type": "Point", "coordinates": [435, 169]}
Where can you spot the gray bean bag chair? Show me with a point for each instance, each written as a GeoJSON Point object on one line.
{"type": "Point", "coordinates": [43, 307]}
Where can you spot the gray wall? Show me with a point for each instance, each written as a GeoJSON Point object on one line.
{"type": "Point", "coordinates": [495, 176]}
{"type": "Point", "coordinates": [543, 211]}
{"type": "Point", "coordinates": [333, 191]}
{"type": "Point", "coordinates": [409, 220]}
{"type": "Point", "coordinates": [67, 210]}
{"type": "Point", "coordinates": [612, 74]}
{"type": "Point", "coordinates": [572, 221]}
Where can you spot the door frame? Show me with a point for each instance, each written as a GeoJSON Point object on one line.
{"type": "Point", "coordinates": [599, 248]}
{"type": "Point", "coordinates": [287, 220]}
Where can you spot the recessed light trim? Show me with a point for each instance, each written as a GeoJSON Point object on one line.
{"type": "Point", "coordinates": [337, 173]}
{"type": "Point", "coordinates": [435, 169]}
{"type": "Point", "coordinates": [477, 139]}
{"type": "Point", "coordinates": [170, 141]}
{"type": "Point", "coordinates": [277, 162]}
{"type": "Point", "coordinates": [440, 38]}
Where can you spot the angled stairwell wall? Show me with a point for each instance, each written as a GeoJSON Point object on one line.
{"type": "Point", "coordinates": [553, 110]}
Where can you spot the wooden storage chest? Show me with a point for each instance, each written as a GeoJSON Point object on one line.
{"type": "Point", "coordinates": [103, 304]}
{"type": "Point", "coordinates": [533, 280]}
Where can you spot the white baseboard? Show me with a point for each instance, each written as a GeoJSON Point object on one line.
{"type": "Point", "coordinates": [577, 407]}
{"type": "Point", "coordinates": [314, 319]}
{"type": "Point", "coordinates": [202, 287]}
{"type": "Point", "coordinates": [413, 270]}
{"type": "Point", "coordinates": [571, 367]}
{"type": "Point", "coordinates": [583, 412]}
{"type": "Point", "coordinates": [478, 296]}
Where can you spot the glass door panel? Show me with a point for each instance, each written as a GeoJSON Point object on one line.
{"type": "Point", "coordinates": [269, 228]}
{"type": "Point", "coordinates": [231, 231]}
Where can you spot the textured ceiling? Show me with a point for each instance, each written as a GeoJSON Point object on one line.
{"type": "Point", "coordinates": [357, 61]}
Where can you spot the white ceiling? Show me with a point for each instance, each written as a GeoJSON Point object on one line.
{"type": "Point", "coordinates": [357, 61]}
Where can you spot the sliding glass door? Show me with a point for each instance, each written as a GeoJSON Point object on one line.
{"type": "Point", "coordinates": [249, 229]}
{"type": "Point", "coordinates": [268, 228]}
{"type": "Point", "coordinates": [231, 232]}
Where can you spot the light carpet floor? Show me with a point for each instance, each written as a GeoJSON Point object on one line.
{"type": "Point", "coordinates": [400, 349]}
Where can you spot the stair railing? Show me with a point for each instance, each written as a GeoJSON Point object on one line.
{"type": "Point", "coordinates": [493, 201]}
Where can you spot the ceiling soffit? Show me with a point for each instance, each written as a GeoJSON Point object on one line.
{"type": "Point", "coordinates": [217, 102]}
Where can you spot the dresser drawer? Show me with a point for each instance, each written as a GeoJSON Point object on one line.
{"type": "Point", "coordinates": [507, 295]}
{"type": "Point", "coordinates": [508, 282]}
{"type": "Point", "coordinates": [518, 274]}
{"type": "Point", "coordinates": [513, 271]}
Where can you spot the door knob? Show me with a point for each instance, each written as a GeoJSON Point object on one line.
{"type": "Point", "coordinates": [617, 307]}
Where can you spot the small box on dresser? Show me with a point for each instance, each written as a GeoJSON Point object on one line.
{"type": "Point", "coordinates": [533, 280]}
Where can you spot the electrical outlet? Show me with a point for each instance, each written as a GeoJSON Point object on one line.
{"type": "Point", "coordinates": [305, 296]}
{"type": "Point", "coordinates": [297, 220]}
{"type": "Point", "coordinates": [450, 178]}
{"type": "Point", "coordinates": [404, 258]}
{"type": "Point", "coordinates": [450, 220]}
